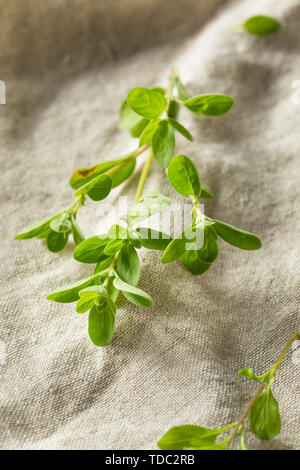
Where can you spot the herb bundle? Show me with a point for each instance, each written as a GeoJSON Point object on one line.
{"type": "Point", "coordinates": [151, 116]}
{"type": "Point", "coordinates": [263, 411]}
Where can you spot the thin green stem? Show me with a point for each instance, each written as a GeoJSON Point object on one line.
{"type": "Point", "coordinates": [80, 203]}
{"type": "Point", "coordinates": [283, 353]}
{"type": "Point", "coordinates": [243, 446]}
{"type": "Point", "coordinates": [77, 201]}
{"type": "Point", "coordinates": [143, 176]}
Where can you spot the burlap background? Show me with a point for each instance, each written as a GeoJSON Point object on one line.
{"type": "Point", "coordinates": [67, 66]}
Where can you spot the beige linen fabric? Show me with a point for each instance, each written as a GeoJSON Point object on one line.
{"type": "Point", "coordinates": [67, 66]}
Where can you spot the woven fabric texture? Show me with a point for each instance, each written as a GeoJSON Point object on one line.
{"type": "Point", "coordinates": [67, 67]}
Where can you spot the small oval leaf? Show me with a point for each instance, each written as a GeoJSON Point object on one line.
{"type": "Point", "coordinates": [264, 416]}
{"type": "Point", "coordinates": [97, 189]}
{"type": "Point", "coordinates": [56, 241]}
{"type": "Point", "coordinates": [237, 237]}
{"type": "Point", "coordinates": [183, 176]}
{"type": "Point", "coordinates": [146, 103]}
{"type": "Point", "coordinates": [188, 436]}
{"type": "Point", "coordinates": [77, 233]}
{"type": "Point", "coordinates": [210, 105]}
{"type": "Point", "coordinates": [133, 294]}
{"type": "Point", "coordinates": [70, 293]}
{"type": "Point", "coordinates": [91, 249]}
{"type": "Point", "coordinates": [261, 25]}
{"type": "Point", "coordinates": [36, 229]}
{"type": "Point", "coordinates": [101, 323]}
{"type": "Point", "coordinates": [129, 265]}
{"type": "Point", "coordinates": [181, 129]}
{"type": "Point", "coordinates": [163, 143]}
{"type": "Point", "coordinates": [123, 173]}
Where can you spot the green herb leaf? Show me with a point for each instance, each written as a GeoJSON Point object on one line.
{"type": "Point", "coordinates": [97, 189]}
{"type": "Point", "coordinates": [113, 247]}
{"type": "Point", "coordinates": [93, 291]}
{"type": "Point", "coordinates": [101, 323]}
{"type": "Point", "coordinates": [198, 260]}
{"type": "Point", "coordinates": [122, 174]}
{"type": "Point", "coordinates": [36, 229]}
{"type": "Point", "coordinates": [152, 239]}
{"type": "Point", "coordinates": [149, 131]}
{"type": "Point", "coordinates": [178, 245]}
{"type": "Point", "coordinates": [61, 223]}
{"type": "Point", "coordinates": [133, 294]}
{"type": "Point", "coordinates": [163, 143]}
{"type": "Point", "coordinates": [91, 249]}
{"type": "Point", "coordinates": [128, 118]}
{"type": "Point", "coordinates": [181, 129]}
{"type": "Point", "coordinates": [183, 176]}
{"type": "Point", "coordinates": [137, 130]}
{"type": "Point", "coordinates": [174, 250]}
{"type": "Point", "coordinates": [265, 420]}
{"type": "Point", "coordinates": [104, 263]}
{"type": "Point", "coordinates": [44, 234]}
{"type": "Point", "coordinates": [237, 237]}
{"type": "Point", "coordinates": [159, 89]}
{"type": "Point", "coordinates": [193, 263]}
{"type": "Point", "coordinates": [173, 109]}
{"type": "Point", "coordinates": [210, 105]}
{"type": "Point", "coordinates": [188, 437]}
{"type": "Point", "coordinates": [147, 103]}
{"type": "Point", "coordinates": [56, 241]}
{"type": "Point", "coordinates": [70, 293]}
{"type": "Point", "coordinates": [262, 379]}
{"type": "Point", "coordinates": [85, 303]}
{"type": "Point", "coordinates": [77, 233]}
{"type": "Point", "coordinates": [209, 250]}
{"type": "Point", "coordinates": [261, 25]}
{"type": "Point", "coordinates": [129, 265]}
{"type": "Point", "coordinates": [206, 192]}
{"type": "Point", "coordinates": [147, 205]}
{"type": "Point", "coordinates": [84, 175]}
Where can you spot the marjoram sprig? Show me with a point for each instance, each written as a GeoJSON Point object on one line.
{"type": "Point", "coordinates": [263, 411]}
{"type": "Point", "coordinates": [151, 116]}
